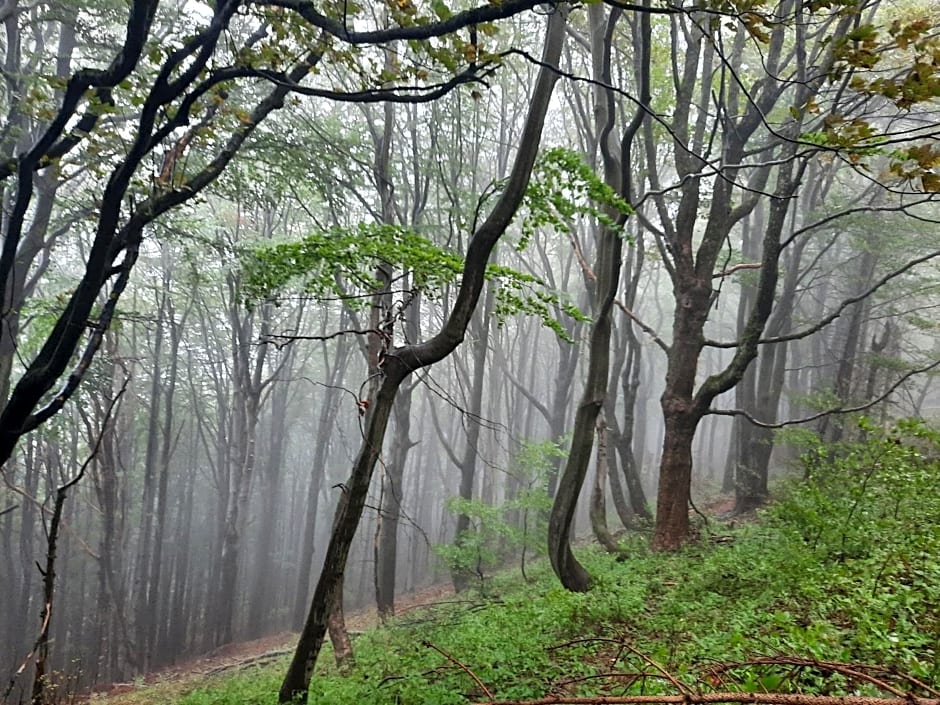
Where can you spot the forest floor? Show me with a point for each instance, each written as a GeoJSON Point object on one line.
{"type": "Point", "coordinates": [838, 572]}
{"type": "Point", "coordinates": [191, 672]}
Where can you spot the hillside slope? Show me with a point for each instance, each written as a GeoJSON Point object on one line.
{"type": "Point", "coordinates": [844, 570]}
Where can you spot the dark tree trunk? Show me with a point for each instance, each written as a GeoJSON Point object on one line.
{"type": "Point", "coordinates": [832, 427]}
{"type": "Point", "coordinates": [386, 545]}
{"type": "Point", "coordinates": [480, 329]}
{"type": "Point", "coordinates": [617, 166]}
{"type": "Point", "coordinates": [386, 542]}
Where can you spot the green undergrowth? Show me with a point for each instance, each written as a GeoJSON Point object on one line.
{"type": "Point", "coordinates": [844, 568]}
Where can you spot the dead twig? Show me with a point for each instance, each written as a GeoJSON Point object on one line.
{"type": "Point", "coordinates": [258, 660]}
{"type": "Point", "coordinates": [465, 668]}
{"type": "Point", "coordinates": [714, 698]}
{"type": "Point", "coordinates": [678, 685]}
{"type": "Point", "coordinates": [681, 687]}
{"type": "Point", "coordinates": [857, 672]}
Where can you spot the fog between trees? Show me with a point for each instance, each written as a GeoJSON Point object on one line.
{"type": "Point", "coordinates": [210, 275]}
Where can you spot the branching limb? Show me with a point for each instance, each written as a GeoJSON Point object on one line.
{"type": "Point", "coordinates": [279, 340]}
{"type": "Point", "coordinates": [835, 410]}
{"type": "Point", "coordinates": [840, 309]}
{"type": "Point", "coordinates": [462, 666]}
{"type": "Point", "coordinates": [643, 326]}
{"type": "Point", "coordinates": [489, 12]}
{"type": "Point", "coordinates": [736, 268]}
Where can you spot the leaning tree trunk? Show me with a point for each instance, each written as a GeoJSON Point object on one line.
{"type": "Point", "coordinates": [409, 358]}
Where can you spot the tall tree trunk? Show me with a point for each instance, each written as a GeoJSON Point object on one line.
{"type": "Point", "coordinates": [143, 619]}
{"type": "Point", "coordinates": [386, 544]}
{"type": "Point", "coordinates": [480, 330]}
{"type": "Point", "coordinates": [617, 165]}
{"type": "Point", "coordinates": [832, 427]}
{"type": "Point", "coordinates": [386, 541]}
{"type": "Point", "coordinates": [328, 411]}
{"type": "Point", "coordinates": [182, 597]}
{"type": "Point", "coordinates": [248, 381]}
{"type": "Point", "coordinates": [154, 596]}
{"type": "Point", "coordinates": [598, 509]}
{"type": "Point", "coordinates": [259, 607]}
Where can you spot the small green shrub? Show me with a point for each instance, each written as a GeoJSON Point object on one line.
{"type": "Point", "coordinates": [515, 528]}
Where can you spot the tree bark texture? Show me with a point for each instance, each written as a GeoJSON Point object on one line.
{"type": "Point", "coordinates": [598, 509]}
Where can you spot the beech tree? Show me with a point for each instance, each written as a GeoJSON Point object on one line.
{"type": "Point", "coordinates": [401, 361]}
{"type": "Point", "coordinates": [770, 126]}
{"type": "Point", "coordinates": [615, 150]}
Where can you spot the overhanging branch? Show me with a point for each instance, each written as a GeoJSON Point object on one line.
{"type": "Point", "coordinates": [834, 410]}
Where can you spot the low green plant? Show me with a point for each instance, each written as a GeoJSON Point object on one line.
{"type": "Point", "coordinates": [842, 568]}
{"type": "Point", "coordinates": [515, 528]}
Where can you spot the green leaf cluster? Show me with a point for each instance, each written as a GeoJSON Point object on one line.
{"type": "Point", "coordinates": [499, 532]}
{"type": "Point", "coordinates": [341, 262]}
{"type": "Point", "coordinates": [564, 187]}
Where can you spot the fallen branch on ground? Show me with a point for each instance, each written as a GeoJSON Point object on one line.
{"type": "Point", "coordinates": [253, 661]}
{"type": "Point", "coordinates": [714, 698]}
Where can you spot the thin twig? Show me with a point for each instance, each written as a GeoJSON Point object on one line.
{"type": "Point", "coordinates": [465, 668]}
{"type": "Point", "coordinates": [855, 671]}
{"type": "Point", "coordinates": [714, 698]}
{"type": "Point", "coordinates": [681, 687]}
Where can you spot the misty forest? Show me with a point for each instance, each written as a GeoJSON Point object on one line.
{"type": "Point", "coordinates": [455, 351]}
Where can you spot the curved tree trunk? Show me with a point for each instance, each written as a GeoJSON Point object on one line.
{"type": "Point", "coordinates": [610, 244]}
{"type": "Point", "coordinates": [297, 679]}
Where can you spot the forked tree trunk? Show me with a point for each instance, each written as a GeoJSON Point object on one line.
{"type": "Point", "coordinates": [297, 679]}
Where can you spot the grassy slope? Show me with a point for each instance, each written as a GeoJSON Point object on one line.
{"type": "Point", "coordinates": [847, 569]}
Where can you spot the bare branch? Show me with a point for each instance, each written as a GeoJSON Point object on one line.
{"type": "Point", "coordinates": [281, 339]}
{"type": "Point", "coordinates": [645, 328]}
{"type": "Point", "coordinates": [489, 12]}
{"type": "Point", "coordinates": [822, 323]}
{"type": "Point", "coordinates": [462, 666]}
{"type": "Point", "coordinates": [835, 410]}
{"type": "Point", "coordinates": [736, 268]}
